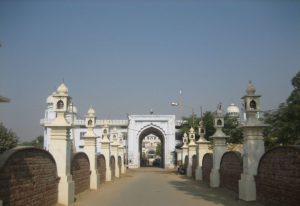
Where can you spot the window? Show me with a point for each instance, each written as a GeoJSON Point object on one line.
{"type": "Point", "coordinates": [219, 122]}
{"type": "Point", "coordinates": [90, 122]}
{"type": "Point", "coordinates": [252, 104]}
{"type": "Point", "coordinates": [60, 104]}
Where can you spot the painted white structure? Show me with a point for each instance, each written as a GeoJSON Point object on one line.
{"type": "Point", "coordinates": [162, 126]}
{"type": "Point", "coordinates": [184, 148]}
{"type": "Point", "coordinates": [105, 150]}
{"type": "Point", "coordinates": [114, 150]}
{"type": "Point", "coordinates": [253, 145]}
{"type": "Point", "coordinates": [202, 149]}
{"type": "Point", "coordinates": [90, 143]}
{"type": "Point", "coordinates": [219, 147]}
{"type": "Point", "coordinates": [61, 146]}
{"type": "Point", "coordinates": [133, 130]}
{"type": "Point", "coordinates": [121, 154]}
{"type": "Point", "coordinates": [191, 151]}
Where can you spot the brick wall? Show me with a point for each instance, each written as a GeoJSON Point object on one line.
{"type": "Point", "coordinates": [278, 177]}
{"type": "Point", "coordinates": [28, 176]}
{"type": "Point", "coordinates": [120, 164]}
{"type": "Point", "coordinates": [194, 166]}
{"type": "Point", "coordinates": [230, 170]}
{"type": "Point", "coordinates": [113, 167]}
{"type": "Point", "coordinates": [101, 165]}
{"type": "Point", "coordinates": [80, 170]}
{"type": "Point", "coordinates": [207, 164]}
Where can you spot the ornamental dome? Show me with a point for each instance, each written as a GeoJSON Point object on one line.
{"type": "Point", "coordinates": [62, 89]}
{"type": "Point", "coordinates": [91, 112]}
{"type": "Point", "coordinates": [250, 89]}
{"type": "Point", "coordinates": [233, 109]}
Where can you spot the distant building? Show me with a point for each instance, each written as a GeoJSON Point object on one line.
{"type": "Point", "coordinates": [233, 111]}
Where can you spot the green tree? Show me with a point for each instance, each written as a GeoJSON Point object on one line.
{"type": "Point", "coordinates": [232, 129]}
{"type": "Point", "coordinates": [193, 121]}
{"type": "Point", "coordinates": [37, 142]}
{"type": "Point", "coordinates": [8, 139]}
{"type": "Point", "coordinates": [158, 149]}
{"type": "Point", "coordinates": [285, 121]}
{"type": "Point", "coordinates": [208, 119]}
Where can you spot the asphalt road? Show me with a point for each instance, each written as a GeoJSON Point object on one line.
{"type": "Point", "coordinates": [157, 187]}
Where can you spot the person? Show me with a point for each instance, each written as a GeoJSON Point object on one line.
{"type": "Point", "coordinates": [177, 169]}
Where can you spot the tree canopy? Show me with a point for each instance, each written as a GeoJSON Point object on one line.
{"type": "Point", "coordinates": [230, 126]}
{"type": "Point", "coordinates": [37, 142]}
{"type": "Point", "coordinates": [8, 139]}
{"type": "Point", "coordinates": [285, 121]}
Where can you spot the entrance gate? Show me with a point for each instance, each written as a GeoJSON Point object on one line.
{"type": "Point", "coordinates": [162, 126]}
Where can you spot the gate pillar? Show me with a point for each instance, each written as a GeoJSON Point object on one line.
{"type": "Point", "coordinates": [90, 148]}
{"type": "Point", "coordinates": [105, 150]}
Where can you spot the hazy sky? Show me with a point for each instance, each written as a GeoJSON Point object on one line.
{"type": "Point", "coordinates": [130, 56]}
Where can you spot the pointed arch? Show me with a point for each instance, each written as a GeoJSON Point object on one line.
{"type": "Point", "coordinates": [157, 131]}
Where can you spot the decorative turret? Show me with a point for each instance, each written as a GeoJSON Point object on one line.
{"type": "Point", "coordinates": [60, 144]}
{"type": "Point", "coordinates": [219, 146]}
{"type": "Point", "coordinates": [90, 122]}
{"type": "Point", "coordinates": [105, 149]}
{"type": "Point", "coordinates": [251, 103]}
{"type": "Point", "coordinates": [90, 147]}
{"type": "Point", "coordinates": [192, 136]}
{"type": "Point", "coordinates": [253, 144]}
{"type": "Point", "coordinates": [185, 140]}
{"type": "Point", "coordinates": [105, 135]}
{"type": "Point", "coordinates": [114, 136]}
{"type": "Point", "coordinates": [201, 132]}
{"type": "Point", "coordinates": [61, 101]}
{"type": "Point", "coordinates": [219, 122]}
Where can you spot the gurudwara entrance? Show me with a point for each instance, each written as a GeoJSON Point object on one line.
{"type": "Point", "coordinates": [160, 127]}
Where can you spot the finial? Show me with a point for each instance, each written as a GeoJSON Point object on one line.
{"type": "Point", "coordinates": [250, 88]}
{"type": "Point", "coordinates": [191, 130]}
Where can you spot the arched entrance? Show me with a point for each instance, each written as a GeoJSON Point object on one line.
{"type": "Point", "coordinates": [161, 126]}
{"type": "Point", "coordinates": [159, 162]}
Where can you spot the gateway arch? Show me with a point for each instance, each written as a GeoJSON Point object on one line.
{"type": "Point", "coordinates": [140, 126]}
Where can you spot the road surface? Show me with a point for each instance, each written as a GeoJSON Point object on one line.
{"type": "Point", "coordinates": [157, 187]}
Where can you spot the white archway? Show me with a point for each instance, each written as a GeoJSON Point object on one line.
{"type": "Point", "coordinates": [163, 126]}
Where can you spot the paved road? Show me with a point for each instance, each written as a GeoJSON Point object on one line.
{"type": "Point", "coordinates": [157, 187]}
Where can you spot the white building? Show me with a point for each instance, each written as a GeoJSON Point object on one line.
{"type": "Point", "coordinates": [133, 130]}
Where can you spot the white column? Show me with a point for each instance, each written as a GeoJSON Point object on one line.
{"type": "Point", "coordinates": [90, 150]}
{"type": "Point", "coordinates": [184, 148]}
{"type": "Point", "coordinates": [191, 151]}
{"type": "Point", "coordinates": [219, 147]}
{"type": "Point", "coordinates": [60, 148]}
{"type": "Point", "coordinates": [253, 145]}
{"type": "Point", "coordinates": [105, 150]}
{"type": "Point", "coordinates": [219, 144]}
{"type": "Point", "coordinates": [90, 142]}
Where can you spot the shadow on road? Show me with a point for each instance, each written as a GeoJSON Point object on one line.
{"type": "Point", "coordinates": [201, 190]}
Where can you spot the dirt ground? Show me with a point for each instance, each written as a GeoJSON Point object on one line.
{"type": "Point", "coordinates": [159, 187]}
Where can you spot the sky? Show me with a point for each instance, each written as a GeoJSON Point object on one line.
{"type": "Point", "coordinates": [130, 56]}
